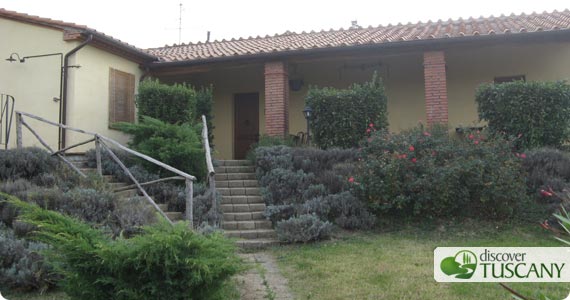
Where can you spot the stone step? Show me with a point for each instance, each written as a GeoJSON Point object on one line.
{"type": "Point", "coordinates": [241, 199]}
{"type": "Point", "coordinates": [235, 176]}
{"type": "Point", "coordinates": [251, 234]}
{"type": "Point", "coordinates": [227, 163]}
{"type": "Point", "coordinates": [128, 193]}
{"type": "Point", "coordinates": [247, 225]}
{"type": "Point", "coordinates": [236, 183]}
{"type": "Point", "coordinates": [88, 171]}
{"type": "Point", "coordinates": [174, 215]}
{"type": "Point", "coordinates": [239, 191]}
{"type": "Point", "coordinates": [244, 216]}
{"type": "Point", "coordinates": [163, 206]}
{"type": "Point", "coordinates": [228, 208]}
{"type": "Point", "coordinates": [256, 244]}
{"type": "Point", "coordinates": [109, 178]}
{"type": "Point", "coordinates": [234, 169]}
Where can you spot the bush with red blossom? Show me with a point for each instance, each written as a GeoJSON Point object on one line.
{"type": "Point", "coordinates": [426, 172]}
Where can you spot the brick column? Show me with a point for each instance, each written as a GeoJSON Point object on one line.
{"type": "Point", "coordinates": [435, 87]}
{"type": "Point", "coordinates": [276, 99]}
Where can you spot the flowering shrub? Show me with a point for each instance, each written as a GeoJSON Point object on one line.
{"type": "Point", "coordinates": [539, 111]}
{"type": "Point", "coordinates": [341, 116]}
{"type": "Point", "coordinates": [428, 173]}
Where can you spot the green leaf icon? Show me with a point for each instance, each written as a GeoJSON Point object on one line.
{"type": "Point", "coordinates": [462, 265]}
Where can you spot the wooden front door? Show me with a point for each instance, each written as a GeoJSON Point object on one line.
{"type": "Point", "coordinates": [246, 129]}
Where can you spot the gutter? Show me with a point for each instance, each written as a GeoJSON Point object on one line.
{"type": "Point", "coordinates": [424, 44]}
{"type": "Point", "coordinates": [63, 102]}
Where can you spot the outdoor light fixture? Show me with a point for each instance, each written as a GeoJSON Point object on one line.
{"type": "Point", "coordinates": [12, 59]}
{"type": "Point", "coordinates": [308, 112]}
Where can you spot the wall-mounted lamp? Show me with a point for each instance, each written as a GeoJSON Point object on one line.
{"type": "Point", "coordinates": [12, 59]}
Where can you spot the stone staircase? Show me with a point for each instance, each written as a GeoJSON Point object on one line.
{"type": "Point", "coordinates": [80, 162]}
{"type": "Point", "coordinates": [242, 205]}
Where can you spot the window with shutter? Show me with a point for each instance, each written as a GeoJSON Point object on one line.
{"type": "Point", "coordinates": [121, 97]}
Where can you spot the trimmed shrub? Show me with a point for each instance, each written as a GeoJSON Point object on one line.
{"type": "Point", "coordinates": [341, 117]}
{"type": "Point", "coordinates": [304, 228]}
{"type": "Point", "coordinates": [204, 103]}
{"type": "Point", "coordinates": [175, 145]}
{"type": "Point", "coordinates": [130, 215]}
{"type": "Point", "coordinates": [22, 268]}
{"type": "Point", "coordinates": [163, 262]}
{"type": "Point", "coordinates": [26, 163]}
{"type": "Point", "coordinates": [174, 104]}
{"type": "Point", "coordinates": [281, 186]}
{"type": "Point", "coordinates": [538, 111]}
{"type": "Point", "coordinates": [430, 174]}
{"type": "Point", "coordinates": [547, 168]}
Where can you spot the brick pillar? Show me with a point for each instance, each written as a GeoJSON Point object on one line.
{"type": "Point", "coordinates": [276, 99]}
{"type": "Point", "coordinates": [435, 87]}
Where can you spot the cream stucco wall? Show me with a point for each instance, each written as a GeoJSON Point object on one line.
{"type": "Point", "coordinates": [467, 67]}
{"type": "Point", "coordinates": [35, 83]}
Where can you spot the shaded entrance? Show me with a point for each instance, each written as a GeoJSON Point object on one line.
{"type": "Point", "coordinates": [246, 129]}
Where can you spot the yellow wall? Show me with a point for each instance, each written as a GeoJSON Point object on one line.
{"type": "Point", "coordinates": [468, 68]}
{"type": "Point", "coordinates": [88, 103]}
{"type": "Point", "coordinates": [403, 79]}
{"type": "Point", "coordinates": [35, 83]}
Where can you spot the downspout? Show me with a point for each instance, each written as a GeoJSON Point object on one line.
{"type": "Point", "coordinates": [63, 103]}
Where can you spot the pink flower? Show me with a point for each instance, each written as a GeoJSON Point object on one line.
{"type": "Point", "coordinates": [368, 130]}
{"type": "Point", "coordinates": [414, 160]}
{"type": "Point", "coordinates": [520, 135]}
{"type": "Point", "coordinates": [351, 179]}
{"type": "Point", "coordinates": [411, 148]}
{"type": "Point", "coordinates": [517, 155]}
{"type": "Point", "coordinates": [471, 136]}
{"type": "Point", "coordinates": [523, 156]}
{"type": "Point", "coordinates": [476, 142]}
{"type": "Point", "coordinates": [371, 125]}
{"type": "Point", "coordinates": [427, 133]}
{"type": "Point", "coordinates": [433, 153]}
{"type": "Point", "coordinates": [403, 156]}
{"type": "Point", "coordinates": [545, 193]}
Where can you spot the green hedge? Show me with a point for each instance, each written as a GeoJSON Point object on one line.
{"type": "Point", "coordinates": [169, 103]}
{"type": "Point", "coordinates": [537, 112]}
{"type": "Point", "coordinates": [341, 117]}
{"type": "Point", "coordinates": [163, 262]}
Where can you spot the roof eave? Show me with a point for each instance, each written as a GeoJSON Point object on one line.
{"type": "Point", "coordinates": [424, 44]}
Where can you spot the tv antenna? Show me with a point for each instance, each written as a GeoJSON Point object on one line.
{"type": "Point", "coordinates": [180, 25]}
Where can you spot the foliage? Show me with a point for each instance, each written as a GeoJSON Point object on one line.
{"type": "Point", "coordinates": [428, 173]}
{"type": "Point", "coordinates": [285, 186]}
{"type": "Point", "coordinates": [268, 141]}
{"type": "Point", "coordinates": [344, 209]}
{"type": "Point", "coordinates": [174, 145]}
{"type": "Point", "coordinates": [340, 117]}
{"type": "Point", "coordinates": [204, 104]}
{"type": "Point", "coordinates": [538, 111]}
{"type": "Point", "coordinates": [25, 163]}
{"type": "Point", "coordinates": [172, 104]}
{"type": "Point", "coordinates": [163, 262]}
{"type": "Point", "coordinates": [304, 228]}
{"type": "Point", "coordinates": [21, 266]}
{"type": "Point", "coordinates": [547, 168]}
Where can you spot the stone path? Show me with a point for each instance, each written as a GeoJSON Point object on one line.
{"type": "Point", "coordinates": [263, 280]}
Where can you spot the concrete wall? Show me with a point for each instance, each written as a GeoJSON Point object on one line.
{"type": "Point", "coordinates": [35, 83]}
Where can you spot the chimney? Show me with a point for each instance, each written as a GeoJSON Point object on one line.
{"type": "Point", "coordinates": [208, 37]}
{"type": "Point", "coordinates": [354, 25]}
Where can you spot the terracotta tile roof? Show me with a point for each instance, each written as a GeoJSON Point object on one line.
{"type": "Point", "coordinates": [74, 31]}
{"type": "Point", "coordinates": [298, 42]}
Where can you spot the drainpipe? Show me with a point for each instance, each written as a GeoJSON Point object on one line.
{"type": "Point", "coordinates": [63, 103]}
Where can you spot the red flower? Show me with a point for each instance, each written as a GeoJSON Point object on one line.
{"type": "Point", "coordinates": [351, 179]}
{"type": "Point", "coordinates": [545, 193]}
{"type": "Point", "coordinates": [517, 155]}
{"type": "Point", "coordinates": [476, 142]}
{"type": "Point", "coordinates": [545, 225]}
{"type": "Point", "coordinates": [523, 156]}
{"type": "Point", "coordinates": [371, 125]}
{"type": "Point", "coordinates": [367, 130]}
{"type": "Point", "coordinates": [471, 136]}
{"type": "Point", "coordinates": [427, 133]}
{"type": "Point", "coordinates": [403, 156]}
{"type": "Point", "coordinates": [412, 148]}
{"type": "Point", "coordinates": [414, 160]}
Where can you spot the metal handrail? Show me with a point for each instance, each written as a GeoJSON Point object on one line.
{"type": "Point", "coordinates": [102, 142]}
{"type": "Point", "coordinates": [209, 164]}
{"type": "Point", "coordinates": [6, 117]}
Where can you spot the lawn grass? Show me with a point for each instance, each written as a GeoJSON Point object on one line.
{"type": "Point", "coordinates": [399, 264]}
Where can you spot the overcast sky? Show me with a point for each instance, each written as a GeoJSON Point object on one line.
{"type": "Point", "coordinates": [155, 23]}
